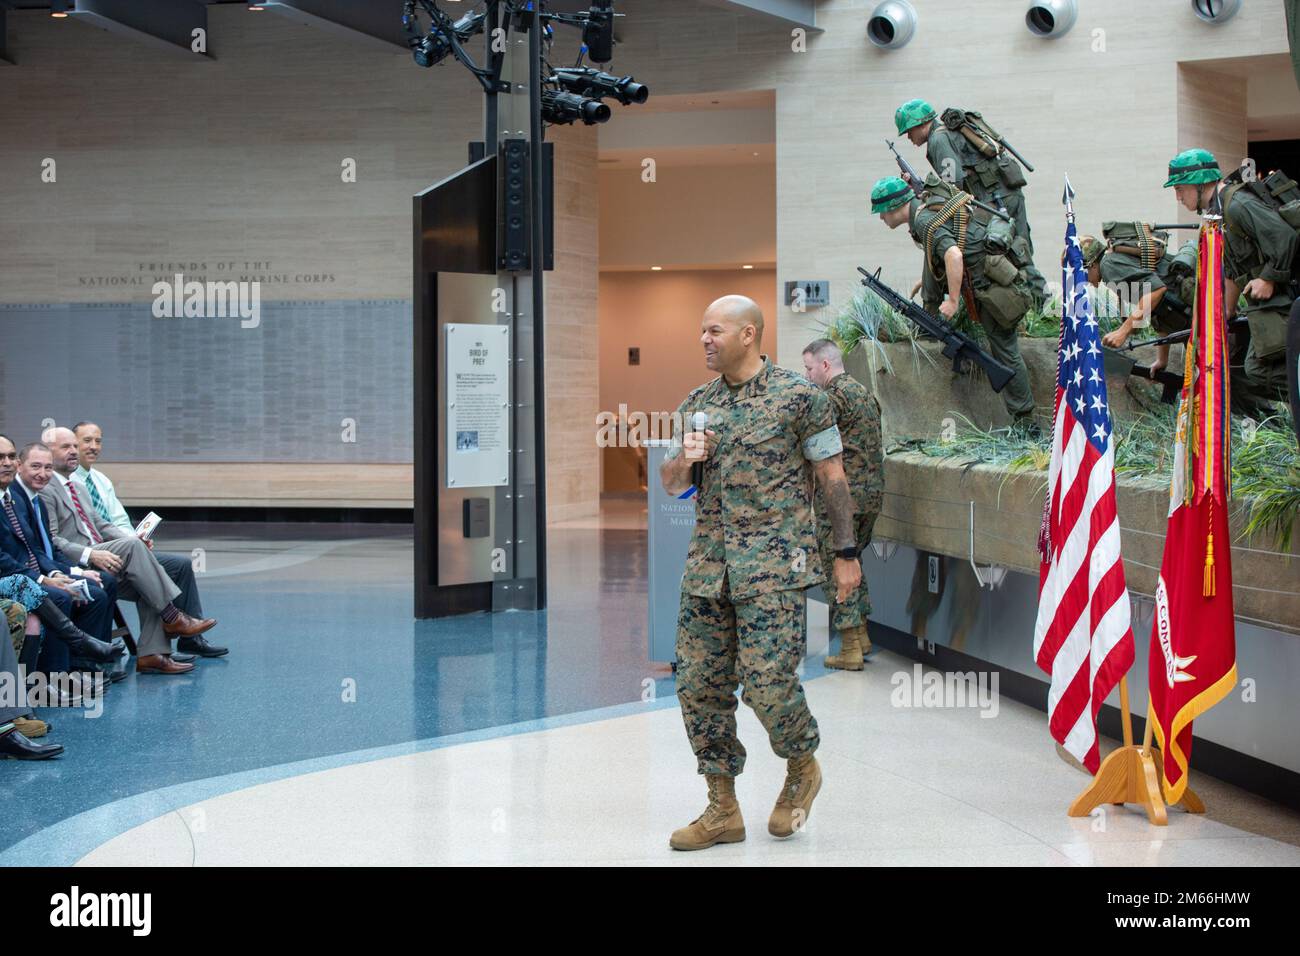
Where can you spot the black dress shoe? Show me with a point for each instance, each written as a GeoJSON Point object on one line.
{"type": "Point", "coordinates": [199, 644]}
{"type": "Point", "coordinates": [184, 658]}
{"type": "Point", "coordinates": [14, 746]}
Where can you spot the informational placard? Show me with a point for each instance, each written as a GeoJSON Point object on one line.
{"type": "Point", "coordinates": [478, 406]}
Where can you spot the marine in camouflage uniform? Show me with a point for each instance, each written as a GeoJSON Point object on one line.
{"type": "Point", "coordinates": [857, 416]}
{"type": "Point", "coordinates": [1259, 262]}
{"type": "Point", "coordinates": [994, 180]}
{"type": "Point", "coordinates": [1002, 304]}
{"type": "Point", "coordinates": [752, 555]}
{"type": "Point", "coordinates": [16, 618]}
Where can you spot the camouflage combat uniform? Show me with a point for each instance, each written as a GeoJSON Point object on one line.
{"type": "Point", "coordinates": [16, 617]}
{"type": "Point", "coordinates": [753, 554]}
{"type": "Point", "coordinates": [857, 416]}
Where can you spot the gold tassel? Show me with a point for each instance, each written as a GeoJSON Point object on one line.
{"type": "Point", "coordinates": [1207, 585]}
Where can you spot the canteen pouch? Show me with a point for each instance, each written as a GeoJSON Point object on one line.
{"type": "Point", "coordinates": [1291, 213]}
{"type": "Point", "coordinates": [1004, 305]}
{"type": "Point", "coordinates": [998, 236]}
{"type": "Point", "coordinates": [1013, 177]}
{"type": "Point", "coordinates": [999, 270]}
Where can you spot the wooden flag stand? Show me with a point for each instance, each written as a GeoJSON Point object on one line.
{"type": "Point", "coordinates": [1131, 775]}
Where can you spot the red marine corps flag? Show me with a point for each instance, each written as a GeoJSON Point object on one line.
{"type": "Point", "coordinates": [1193, 648]}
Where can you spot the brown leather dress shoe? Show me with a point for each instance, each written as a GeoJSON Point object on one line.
{"type": "Point", "coordinates": [160, 664]}
{"type": "Point", "coordinates": [186, 626]}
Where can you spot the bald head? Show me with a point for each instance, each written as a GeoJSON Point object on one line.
{"type": "Point", "coordinates": [732, 334]}
{"type": "Point", "coordinates": [738, 311]}
{"type": "Point", "coordinates": [63, 446]}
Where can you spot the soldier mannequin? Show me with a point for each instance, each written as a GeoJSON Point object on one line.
{"type": "Point", "coordinates": [956, 161]}
{"type": "Point", "coordinates": [1258, 262]}
{"type": "Point", "coordinates": [950, 253]}
{"type": "Point", "coordinates": [1168, 290]}
{"type": "Point", "coordinates": [753, 553]}
{"type": "Point", "coordinates": [857, 416]}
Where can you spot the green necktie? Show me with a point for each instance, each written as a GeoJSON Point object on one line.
{"type": "Point", "coordinates": [97, 501]}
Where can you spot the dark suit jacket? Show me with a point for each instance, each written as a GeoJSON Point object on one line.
{"type": "Point", "coordinates": [13, 555]}
{"type": "Point", "coordinates": [30, 511]}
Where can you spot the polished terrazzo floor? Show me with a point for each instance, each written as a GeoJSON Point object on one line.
{"type": "Point", "coordinates": [526, 738]}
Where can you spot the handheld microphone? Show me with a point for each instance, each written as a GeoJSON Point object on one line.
{"type": "Point", "coordinates": [699, 422]}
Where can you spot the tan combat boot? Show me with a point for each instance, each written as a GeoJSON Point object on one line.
{"type": "Point", "coordinates": [803, 779]}
{"type": "Point", "coordinates": [720, 822]}
{"type": "Point", "coordinates": [851, 650]}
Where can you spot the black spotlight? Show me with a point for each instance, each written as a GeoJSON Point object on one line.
{"type": "Point", "coordinates": [598, 31]}
{"type": "Point", "coordinates": [565, 108]}
{"type": "Point", "coordinates": [588, 82]}
{"type": "Point", "coordinates": [433, 47]}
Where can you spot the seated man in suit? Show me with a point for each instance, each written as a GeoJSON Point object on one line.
{"type": "Point", "coordinates": [20, 555]}
{"type": "Point", "coordinates": [103, 498]}
{"type": "Point", "coordinates": [87, 539]}
{"type": "Point", "coordinates": [83, 536]}
{"type": "Point", "coordinates": [35, 468]}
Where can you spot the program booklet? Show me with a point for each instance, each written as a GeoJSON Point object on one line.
{"type": "Point", "coordinates": [145, 529]}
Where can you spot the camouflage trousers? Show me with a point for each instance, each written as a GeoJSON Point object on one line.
{"type": "Point", "coordinates": [855, 611]}
{"type": "Point", "coordinates": [758, 643]}
{"type": "Point", "coordinates": [16, 617]}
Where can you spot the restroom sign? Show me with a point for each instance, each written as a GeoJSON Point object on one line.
{"type": "Point", "coordinates": [807, 294]}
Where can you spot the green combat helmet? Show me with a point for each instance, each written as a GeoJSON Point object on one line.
{"type": "Point", "coordinates": [889, 193]}
{"type": "Point", "coordinates": [1092, 249]}
{"type": "Point", "coordinates": [1192, 167]}
{"type": "Point", "coordinates": [911, 114]}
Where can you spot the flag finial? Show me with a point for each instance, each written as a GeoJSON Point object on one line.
{"type": "Point", "coordinates": [1067, 197]}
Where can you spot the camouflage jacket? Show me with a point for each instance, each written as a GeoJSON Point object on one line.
{"type": "Point", "coordinates": [857, 416]}
{"type": "Point", "coordinates": [753, 516]}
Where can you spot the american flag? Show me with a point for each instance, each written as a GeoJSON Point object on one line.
{"type": "Point", "coordinates": [1083, 637]}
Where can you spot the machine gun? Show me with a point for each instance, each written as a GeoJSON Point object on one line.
{"type": "Point", "coordinates": [958, 346]}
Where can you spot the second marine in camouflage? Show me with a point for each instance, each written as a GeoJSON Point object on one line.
{"type": "Point", "coordinates": [857, 416]}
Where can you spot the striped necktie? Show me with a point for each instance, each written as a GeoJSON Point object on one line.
{"type": "Point", "coordinates": [95, 499]}
{"type": "Point", "coordinates": [81, 512]}
{"type": "Point", "coordinates": [12, 515]}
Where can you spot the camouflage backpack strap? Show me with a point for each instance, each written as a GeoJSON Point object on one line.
{"type": "Point", "coordinates": [1229, 193]}
{"type": "Point", "coordinates": [955, 207]}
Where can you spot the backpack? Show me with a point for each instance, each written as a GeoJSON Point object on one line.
{"type": "Point", "coordinates": [1277, 190]}
{"type": "Point", "coordinates": [1136, 239]}
{"type": "Point", "coordinates": [988, 142]}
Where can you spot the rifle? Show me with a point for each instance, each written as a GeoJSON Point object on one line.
{"type": "Point", "coordinates": [1239, 322]}
{"type": "Point", "coordinates": [914, 179]}
{"type": "Point", "coordinates": [957, 346]}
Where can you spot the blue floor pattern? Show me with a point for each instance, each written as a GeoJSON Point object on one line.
{"type": "Point", "coordinates": [306, 608]}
